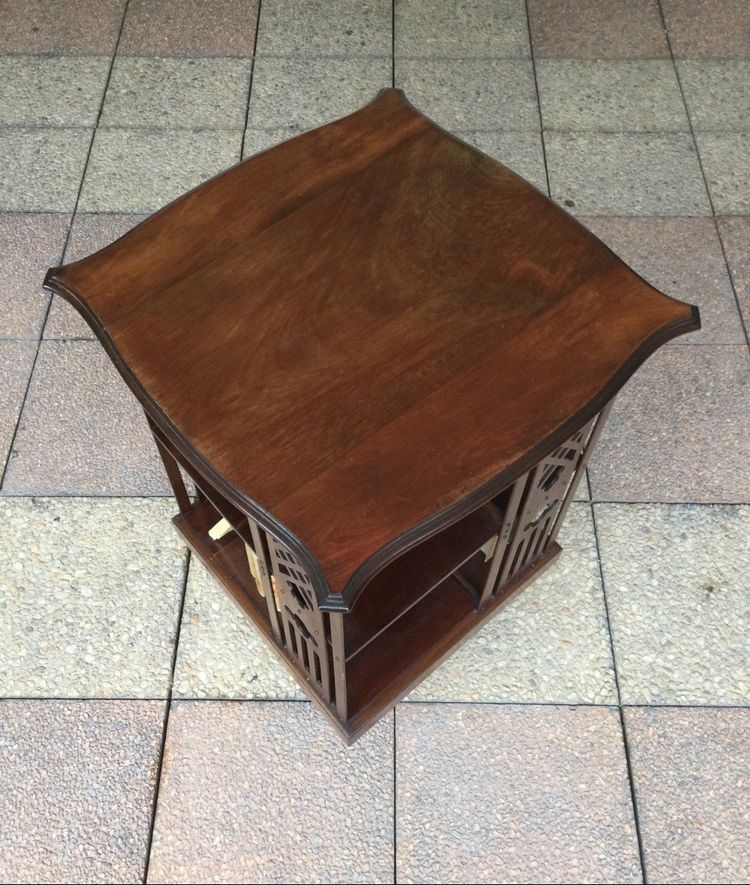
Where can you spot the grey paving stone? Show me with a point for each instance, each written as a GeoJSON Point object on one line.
{"type": "Point", "coordinates": [304, 93]}
{"type": "Point", "coordinates": [597, 29]}
{"type": "Point", "coordinates": [135, 170]}
{"type": "Point", "coordinates": [724, 157]}
{"type": "Point", "coordinates": [264, 792]}
{"type": "Point", "coordinates": [477, 28]}
{"type": "Point", "coordinates": [707, 28]}
{"type": "Point", "coordinates": [512, 794]}
{"type": "Point", "coordinates": [79, 782]}
{"type": "Point", "coordinates": [472, 93]}
{"type": "Point", "coordinates": [16, 359]}
{"type": "Point", "coordinates": [29, 244]}
{"type": "Point", "coordinates": [221, 654]}
{"type": "Point", "coordinates": [88, 234]}
{"type": "Point", "coordinates": [717, 93]}
{"type": "Point", "coordinates": [51, 91]}
{"type": "Point", "coordinates": [90, 608]}
{"type": "Point", "coordinates": [676, 583]}
{"type": "Point", "coordinates": [682, 257]}
{"type": "Point", "coordinates": [690, 771]}
{"type": "Point", "coordinates": [324, 28]}
{"type": "Point", "coordinates": [82, 431]}
{"type": "Point", "coordinates": [735, 235]}
{"type": "Point", "coordinates": [615, 96]}
{"type": "Point", "coordinates": [178, 93]}
{"type": "Point", "coordinates": [550, 644]}
{"type": "Point", "coordinates": [78, 27]}
{"type": "Point", "coordinates": [184, 27]}
{"type": "Point", "coordinates": [678, 430]}
{"type": "Point", "coordinates": [520, 151]}
{"type": "Point", "coordinates": [42, 168]}
{"type": "Point", "coordinates": [626, 173]}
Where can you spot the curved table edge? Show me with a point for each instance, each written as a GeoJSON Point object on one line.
{"type": "Point", "coordinates": [383, 556]}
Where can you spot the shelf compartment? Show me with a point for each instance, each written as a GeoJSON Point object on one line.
{"type": "Point", "coordinates": [226, 558]}
{"type": "Point", "coordinates": [400, 657]}
{"type": "Point", "coordinates": [406, 581]}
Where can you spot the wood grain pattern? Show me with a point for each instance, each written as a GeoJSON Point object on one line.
{"type": "Point", "coordinates": [364, 332]}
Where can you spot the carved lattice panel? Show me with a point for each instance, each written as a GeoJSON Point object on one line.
{"type": "Point", "coordinates": [546, 488]}
{"type": "Point", "coordinates": [301, 621]}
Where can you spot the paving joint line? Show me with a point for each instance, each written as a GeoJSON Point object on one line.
{"type": "Point", "coordinates": [393, 45]}
{"type": "Point", "coordinates": [165, 721]}
{"type": "Point", "coordinates": [395, 802]}
{"type": "Point", "coordinates": [250, 82]}
{"type": "Point", "coordinates": [623, 726]}
{"type": "Point", "coordinates": [594, 705]}
{"type": "Point", "coordinates": [538, 99]}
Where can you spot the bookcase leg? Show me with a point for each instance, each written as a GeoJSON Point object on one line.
{"type": "Point", "coordinates": [339, 664]}
{"type": "Point", "coordinates": [173, 472]}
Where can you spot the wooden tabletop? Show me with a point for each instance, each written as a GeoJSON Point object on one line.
{"type": "Point", "coordinates": [365, 331]}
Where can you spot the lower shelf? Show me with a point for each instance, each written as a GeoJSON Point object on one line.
{"type": "Point", "coordinates": [396, 660]}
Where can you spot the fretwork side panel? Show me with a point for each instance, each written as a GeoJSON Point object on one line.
{"type": "Point", "coordinates": [302, 622]}
{"type": "Point", "coordinates": [537, 504]}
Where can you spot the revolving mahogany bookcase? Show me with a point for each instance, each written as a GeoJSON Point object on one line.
{"type": "Point", "coordinates": [383, 360]}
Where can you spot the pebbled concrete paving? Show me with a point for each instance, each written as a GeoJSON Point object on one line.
{"type": "Point", "coordinates": [134, 170]}
{"type": "Point", "coordinates": [90, 592]}
{"type": "Point", "coordinates": [79, 780]}
{"type": "Point", "coordinates": [548, 787]}
{"type": "Point", "coordinates": [221, 654]}
{"type": "Point", "coordinates": [16, 360]}
{"type": "Point", "coordinates": [678, 430]}
{"type": "Point", "coordinates": [29, 244]}
{"type": "Point", "coordinates": [626, 173]}
{"type": "Point", "coordinates": [307, 92]}
{"type": "Point", "coordinates": [676, 579]}
{"type": "Point", "coordinates": [690, 771]}
{"type": "Point", "coordinates": [463, 93]}
{"type": "Point", "coordinates": [49, 91]}
{"type": "Point", "coordinates": [592, 29]}
{"type": "Point", "coordinates": [182, 28]}
{"type": "Point", "coordinates": [177, 93]}
{"type": "Point", "coordinates": [723, 156]}
{"type": "Point", "coordinates": [264, 792]}
{"type": "Point", "coordinates": [614, 96]}
{"type": "Point", "coordinates": [105, 448]}
{"type": "Point", "coordinates": [479, 29]}
{"type": "Point", "coordinates": [324, 28]}
{"type": "Point", "coordinates": [73, 27]}
{"type": "Point", "coordinates": [42, 168]}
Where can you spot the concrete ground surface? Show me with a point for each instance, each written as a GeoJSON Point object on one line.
{"type": "Point", "coordinates": [598, 729]}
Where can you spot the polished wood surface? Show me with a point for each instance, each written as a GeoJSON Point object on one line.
{"type": "Point", "coordinates": [364, 332]}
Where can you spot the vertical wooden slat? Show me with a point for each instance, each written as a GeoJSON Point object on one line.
{"type": "Point", "coordinates": [589, 447]}
{"type": "Point", "coordinates": [265, 577]}
{"type": "Point", "coordinates": [503, 539]}
{"type": "Point", "coordinates": [336, 621]}
{"type": "Point", "coordinates": [512, 560]}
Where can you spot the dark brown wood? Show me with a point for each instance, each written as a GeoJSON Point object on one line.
{"type": "Point", "coordinates": [374, 351]}
{"type": "Point", "coordinates": [315, 325]}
